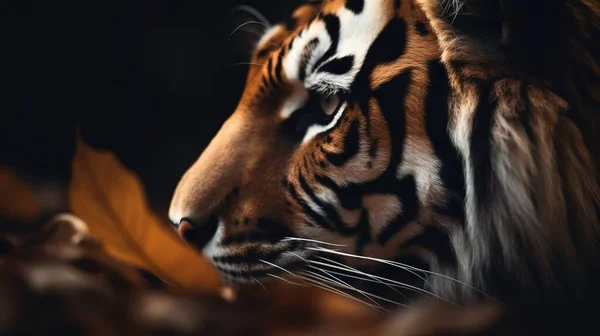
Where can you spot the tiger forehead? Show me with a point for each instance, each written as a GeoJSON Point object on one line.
{"type": "Point", "coordinates": [283, 35]}
{"type": "Point", "coordinates": [280, 35]}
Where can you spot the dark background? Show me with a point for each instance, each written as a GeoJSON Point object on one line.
{"type": "Point", "coordinates": [150, 80]}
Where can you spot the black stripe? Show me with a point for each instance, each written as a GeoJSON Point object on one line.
{"type": "Point", "coordinates": [481, 145]}
{"type": "Point", "coordinates": [436, 126]}
{"type": "Point", "coordinates": [250, 236]}
{"type": "Point", "coordinates": [389, 44]}
{"type": "Point", "coordinates": [276, 229]}
{"type": "Point", "coordinates": [313, 216]}
{"type": "Point", "coordinates": [364, 232]}
{"type": "Point", "coordinates": [406, 191]}
{"type": "Point", "coordinates": [269, 76]}
{"type": "Point", "coordinates": [338, 66]}
{"type": "Point", "coordinates": [349, 196]}
{"type": "Point", "coordinates": [311, 45]}
{"type": "Point", "coordinates": [263, 52]}
{"type": "Point", "coordinates": [391, 97]}
{"type": "Point", "coordinates": [434, 239]}
{"type": "Point", "coordinates": [265, 83]}
{"type": "Point", "coordinates": [332, 24]}
{"type": "Point", "coordinates": [278, 67]}
{"type": "Point", "coordinates": [351, 146]}
{"type": "Point", "coordinates": [421, 28]}
{"type": "Point", "coordinates": [331, 213]}
{"type": "Point", "coordinates": [267, 231]}
{"type": "Point", "coordinates": [355, 6]}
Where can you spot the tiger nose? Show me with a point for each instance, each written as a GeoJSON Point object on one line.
{"type": "Point", "coordinates": [197, 234]}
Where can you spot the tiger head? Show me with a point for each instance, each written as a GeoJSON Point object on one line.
{"type": "Point", "coordinates": [349, 147]}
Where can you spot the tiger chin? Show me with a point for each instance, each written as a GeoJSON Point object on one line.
{"type": "Point", "coordinates": [437, 148]}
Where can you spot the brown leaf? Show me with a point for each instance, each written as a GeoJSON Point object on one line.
{"type": "Point", "coordinates": [111, 200]}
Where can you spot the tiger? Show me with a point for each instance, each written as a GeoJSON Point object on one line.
{"type": "Point", "coordinates": [447, 148]}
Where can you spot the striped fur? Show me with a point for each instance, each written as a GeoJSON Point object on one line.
{"type": "Point", "coordinates": [452, 147]}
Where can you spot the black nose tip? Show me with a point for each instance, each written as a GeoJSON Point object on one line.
{"type": "Point", "coordinates": [197, 234]}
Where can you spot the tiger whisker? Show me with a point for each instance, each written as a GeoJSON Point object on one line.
{"type": "Point", "coordinates": [321, 10]}
{"type": "Point", "coordinates": [311, 240]}
{"type": "Point", "coordinates": [404, 267]}
{"type": "Point", "coordinates": [247, 23]}
{"type": "Point", "coordinates": [457, 11]}
{"type": "Point", "coordinates": [409, 267]}
{"type": "Point", "coordinates": [370, 296]}
{"type": "Point", "coordinates": [448, 278]}
{"type": "Point", "coordinates": [296, 255]}
{"type": "Point", "coordinates": [363, 279]}
{"type": "Point", "coordinates": [391, 282]}
{"type": "Point", "coordinates": [276, 266]}
{"type": "Point", "coordinates": [400, 284]}
{"type": "Point", "coordinates": [289, 282]}
{"type": "Point", "coordinates": [449, 3]}
{"type": "Point", "coordinates": [330, 289]}
{"type": "Point", "coordinates": [277, 45]}
{"type": "Point", "coordinates": [359, 272]}
{"type": "Point", "coordinates": [347, 275]}
{"type": "Point", "coordinates": [343, 284]}
{"type": "Point", "coordinates": [260, 283]}
{"type": "Point", "coordinates": [257, 14]}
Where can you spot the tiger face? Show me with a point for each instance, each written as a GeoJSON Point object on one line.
{"type": "Point", "coordinates": [421, 135]}
{"type": "Point", "coordinates": [337, 138]}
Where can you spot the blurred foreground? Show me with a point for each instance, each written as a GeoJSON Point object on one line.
{"type": "Point", "coordinates": [112, 267]}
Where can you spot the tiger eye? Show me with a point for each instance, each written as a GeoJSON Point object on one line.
{"type": "Point", "coordinates": [330, 104]}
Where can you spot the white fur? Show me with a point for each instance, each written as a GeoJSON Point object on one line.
{"type": "Point", "coordinates": [294, 55]}
{"type": "Point", "coordinates": [357, 33]}
{"type": "Point", "coordinates": [423, 166]}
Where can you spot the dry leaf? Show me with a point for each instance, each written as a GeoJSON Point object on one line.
{"type": "Point", "coordinates": [111, 200]}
